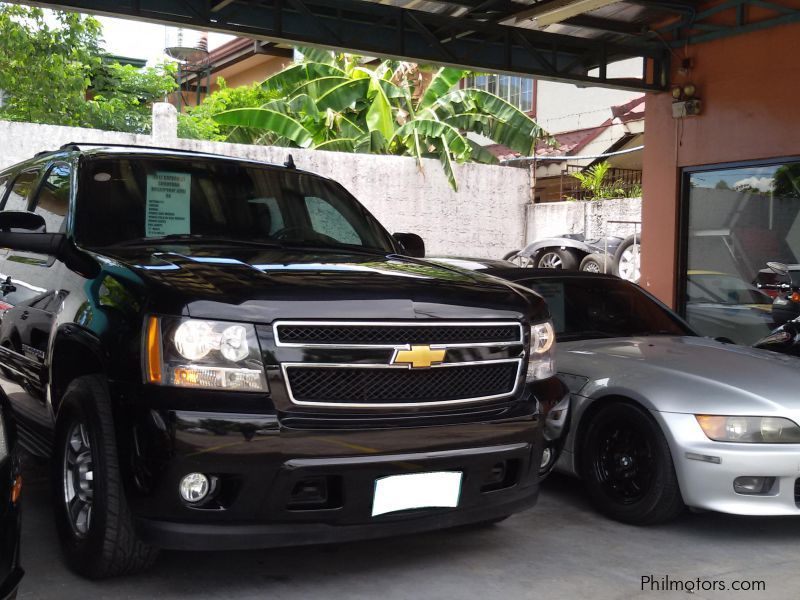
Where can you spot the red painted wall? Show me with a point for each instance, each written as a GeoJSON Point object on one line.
{"type": "Point", "coordinates": [750, 89]}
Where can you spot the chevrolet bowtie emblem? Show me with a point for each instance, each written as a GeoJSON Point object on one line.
{"type": "Point", "coordinates": [418, 357]}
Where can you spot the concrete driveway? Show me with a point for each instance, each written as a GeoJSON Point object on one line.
{"type": "Point", "coordinates": [560, 549]}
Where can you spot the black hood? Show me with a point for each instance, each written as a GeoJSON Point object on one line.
{"type": "Point", "coordinates": [263, 284]}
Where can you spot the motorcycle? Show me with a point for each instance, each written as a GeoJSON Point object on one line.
{"type": "Point", "coordinates": [785, 338]}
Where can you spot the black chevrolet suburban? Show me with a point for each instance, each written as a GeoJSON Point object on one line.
{"type": "Point", "coordinates": [224, 354]}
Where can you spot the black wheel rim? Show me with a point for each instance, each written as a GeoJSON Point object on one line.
{"type": "Point", "coordinates": [623, 462]}
{"type": "Point", "coordinates": [78, 470]}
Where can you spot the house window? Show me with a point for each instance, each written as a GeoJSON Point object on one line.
{"type": "Point", "coordinates": [516, 90]}
{"type": "Point", "coordinates": [735, 219]}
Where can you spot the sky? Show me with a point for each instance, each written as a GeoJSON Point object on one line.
{"type": "Point", "coordinates": [135, 39]}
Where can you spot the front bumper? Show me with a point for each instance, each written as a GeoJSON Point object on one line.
{"type": "Point", "coordinates": [260, 464]}
{"type": "Point", "coordinates": [706, 470]}
{"type": "Point", "coordinates": [351, 520]}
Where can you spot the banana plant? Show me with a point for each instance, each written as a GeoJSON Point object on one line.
{"type": "Point", "coordinates": [331, 101]}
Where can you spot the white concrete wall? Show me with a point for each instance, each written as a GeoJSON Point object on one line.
{"type": "Point", "coordinates": [590, 217]}
{"type": "Point", "coordinates": [485, 218]}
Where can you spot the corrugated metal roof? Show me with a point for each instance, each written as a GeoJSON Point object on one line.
{"type": "Point", "coordinates": [625, 20]}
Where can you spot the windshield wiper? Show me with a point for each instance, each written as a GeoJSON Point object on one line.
{"type": "Point", "coordinates": [323, 247]}
{"type": "Point", "coordinates": [195, 238]}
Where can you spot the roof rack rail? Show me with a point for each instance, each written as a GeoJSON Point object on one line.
{"type": "Point", "coordinates": [77, 146]}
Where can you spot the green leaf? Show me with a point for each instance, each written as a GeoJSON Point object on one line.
{"type": "Point", "coordinates": [447, 164]}
{"type": "Point", "coordinates": [512, 127]}
{"type": "Point", "coordinates": [481, 154]}
{"type": "Point", "coordinates": [427, 128]}
{"type": "Point", "coordinates": [318, 55]}
{"type": "Point", "coordinates": [444, 81]}
{"type": "Point", "coordinates": [343, 95]}
{"type": "Point", "coordinates": [269, 120]}
{"type": "Point", "coordinates": [287, 80]}
{"type": "Point", "coordinates": [379, 115]}
{"type": "Point", "coordinates": [340, 145]}
{"type": "Point", "coordinates": [472, 122]}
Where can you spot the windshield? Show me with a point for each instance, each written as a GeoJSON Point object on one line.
{"type": "Point", "coordinates": [722, 289]}
{"type": "Point", "coordinates": [129, 200]}
{"type": "Point", "coordinates": [588, 307]}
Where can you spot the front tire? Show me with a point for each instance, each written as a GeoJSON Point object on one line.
{"type": "Point", "coordinates": [627, 468]}
{"type": "Point", "coordinates": [93, 520]}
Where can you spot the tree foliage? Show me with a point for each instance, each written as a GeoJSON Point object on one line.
{"type": "Point", "coordinates": [53, 70]}
{"type": "Point", "coordinates": [333, 101]}
{"type": "Point", "coordinates": [597, 185]}
{"type": "Point", "coordinates": [198, 121]}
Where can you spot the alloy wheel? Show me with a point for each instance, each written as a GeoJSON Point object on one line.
{"type": "Point", "coordinates": [623, 463]}
{"type": "Point", "coordinates": [592, 267]}
{"type": "Point", "coordinates": [629, 263]}
{"type": "Point", "coordinates": [78, 471]}
{"type": "Point", "coordinates": [550, 260]}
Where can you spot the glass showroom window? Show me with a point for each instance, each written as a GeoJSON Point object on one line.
{"type": "Point", "coordinates": [736, 219]}
{"type": "Point", "coordinates": [516, 90]}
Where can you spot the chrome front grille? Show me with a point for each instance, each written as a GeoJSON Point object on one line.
{"type": "Point", "coordinates": [373, 365]}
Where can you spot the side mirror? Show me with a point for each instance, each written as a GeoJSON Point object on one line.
{"type": "Point", "coordinates": [51, 244]}
{"type": "Point", "coordinates": [411, 243]}
{"type": "Point", "coordinates": [779, 268]}
{"type": "Point", "coordinates": [12, 220]}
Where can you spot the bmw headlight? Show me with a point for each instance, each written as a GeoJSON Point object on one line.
{"type": "Point", "coordinates": [196, 353]}
{"type": "Point", "coordinates": [749, 430]}
{"type": "Point", "coordinates": [541, 363]}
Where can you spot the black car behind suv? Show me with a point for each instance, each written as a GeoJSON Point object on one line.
{"type": "Point", "coordinates": [224, 354]}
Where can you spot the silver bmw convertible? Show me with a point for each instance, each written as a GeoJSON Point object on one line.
{"type": "Point", "coordinates": [661, 418]}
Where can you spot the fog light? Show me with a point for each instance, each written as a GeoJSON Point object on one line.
{"type": "Point", "coordinates": [194, 487]}
{"type": "Point", "coordinates": [547, 454]}
{"type": "Point", "coordinates": [753, 486]}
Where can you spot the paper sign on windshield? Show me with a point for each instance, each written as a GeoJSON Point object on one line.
{"type": "Point", "coordinates": [168, 200]}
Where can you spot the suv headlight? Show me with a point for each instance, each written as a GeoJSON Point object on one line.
{"type": "Point", "coordinates": [197, 353]}
{"type": "Point", "coordinates": [541, 363]}
{"type": "Point", "coordinates": [749, 430]}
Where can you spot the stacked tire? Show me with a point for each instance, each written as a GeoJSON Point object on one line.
{"type": "Point", "coordinates": [625, 263]}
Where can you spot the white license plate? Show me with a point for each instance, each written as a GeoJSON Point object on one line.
{"type": "Point", "coordinates": [417, 490]}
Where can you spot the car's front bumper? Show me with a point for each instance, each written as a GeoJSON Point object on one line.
{"type": "Point", "coordinates": [706, 470]}
{"type": "Point", "coordinates": [260, 463]}
{"type": "Point", "coordinates": [352, 520]}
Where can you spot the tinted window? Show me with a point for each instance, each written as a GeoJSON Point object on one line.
{"type": "Point", "coordinates": [20, 191]}
{"type": "Point", "coordinates": [586, 307]}
{"type": "Point", "coordinates": [138, 199]}
{"type": "Point", "coordinates": [52, 202]}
